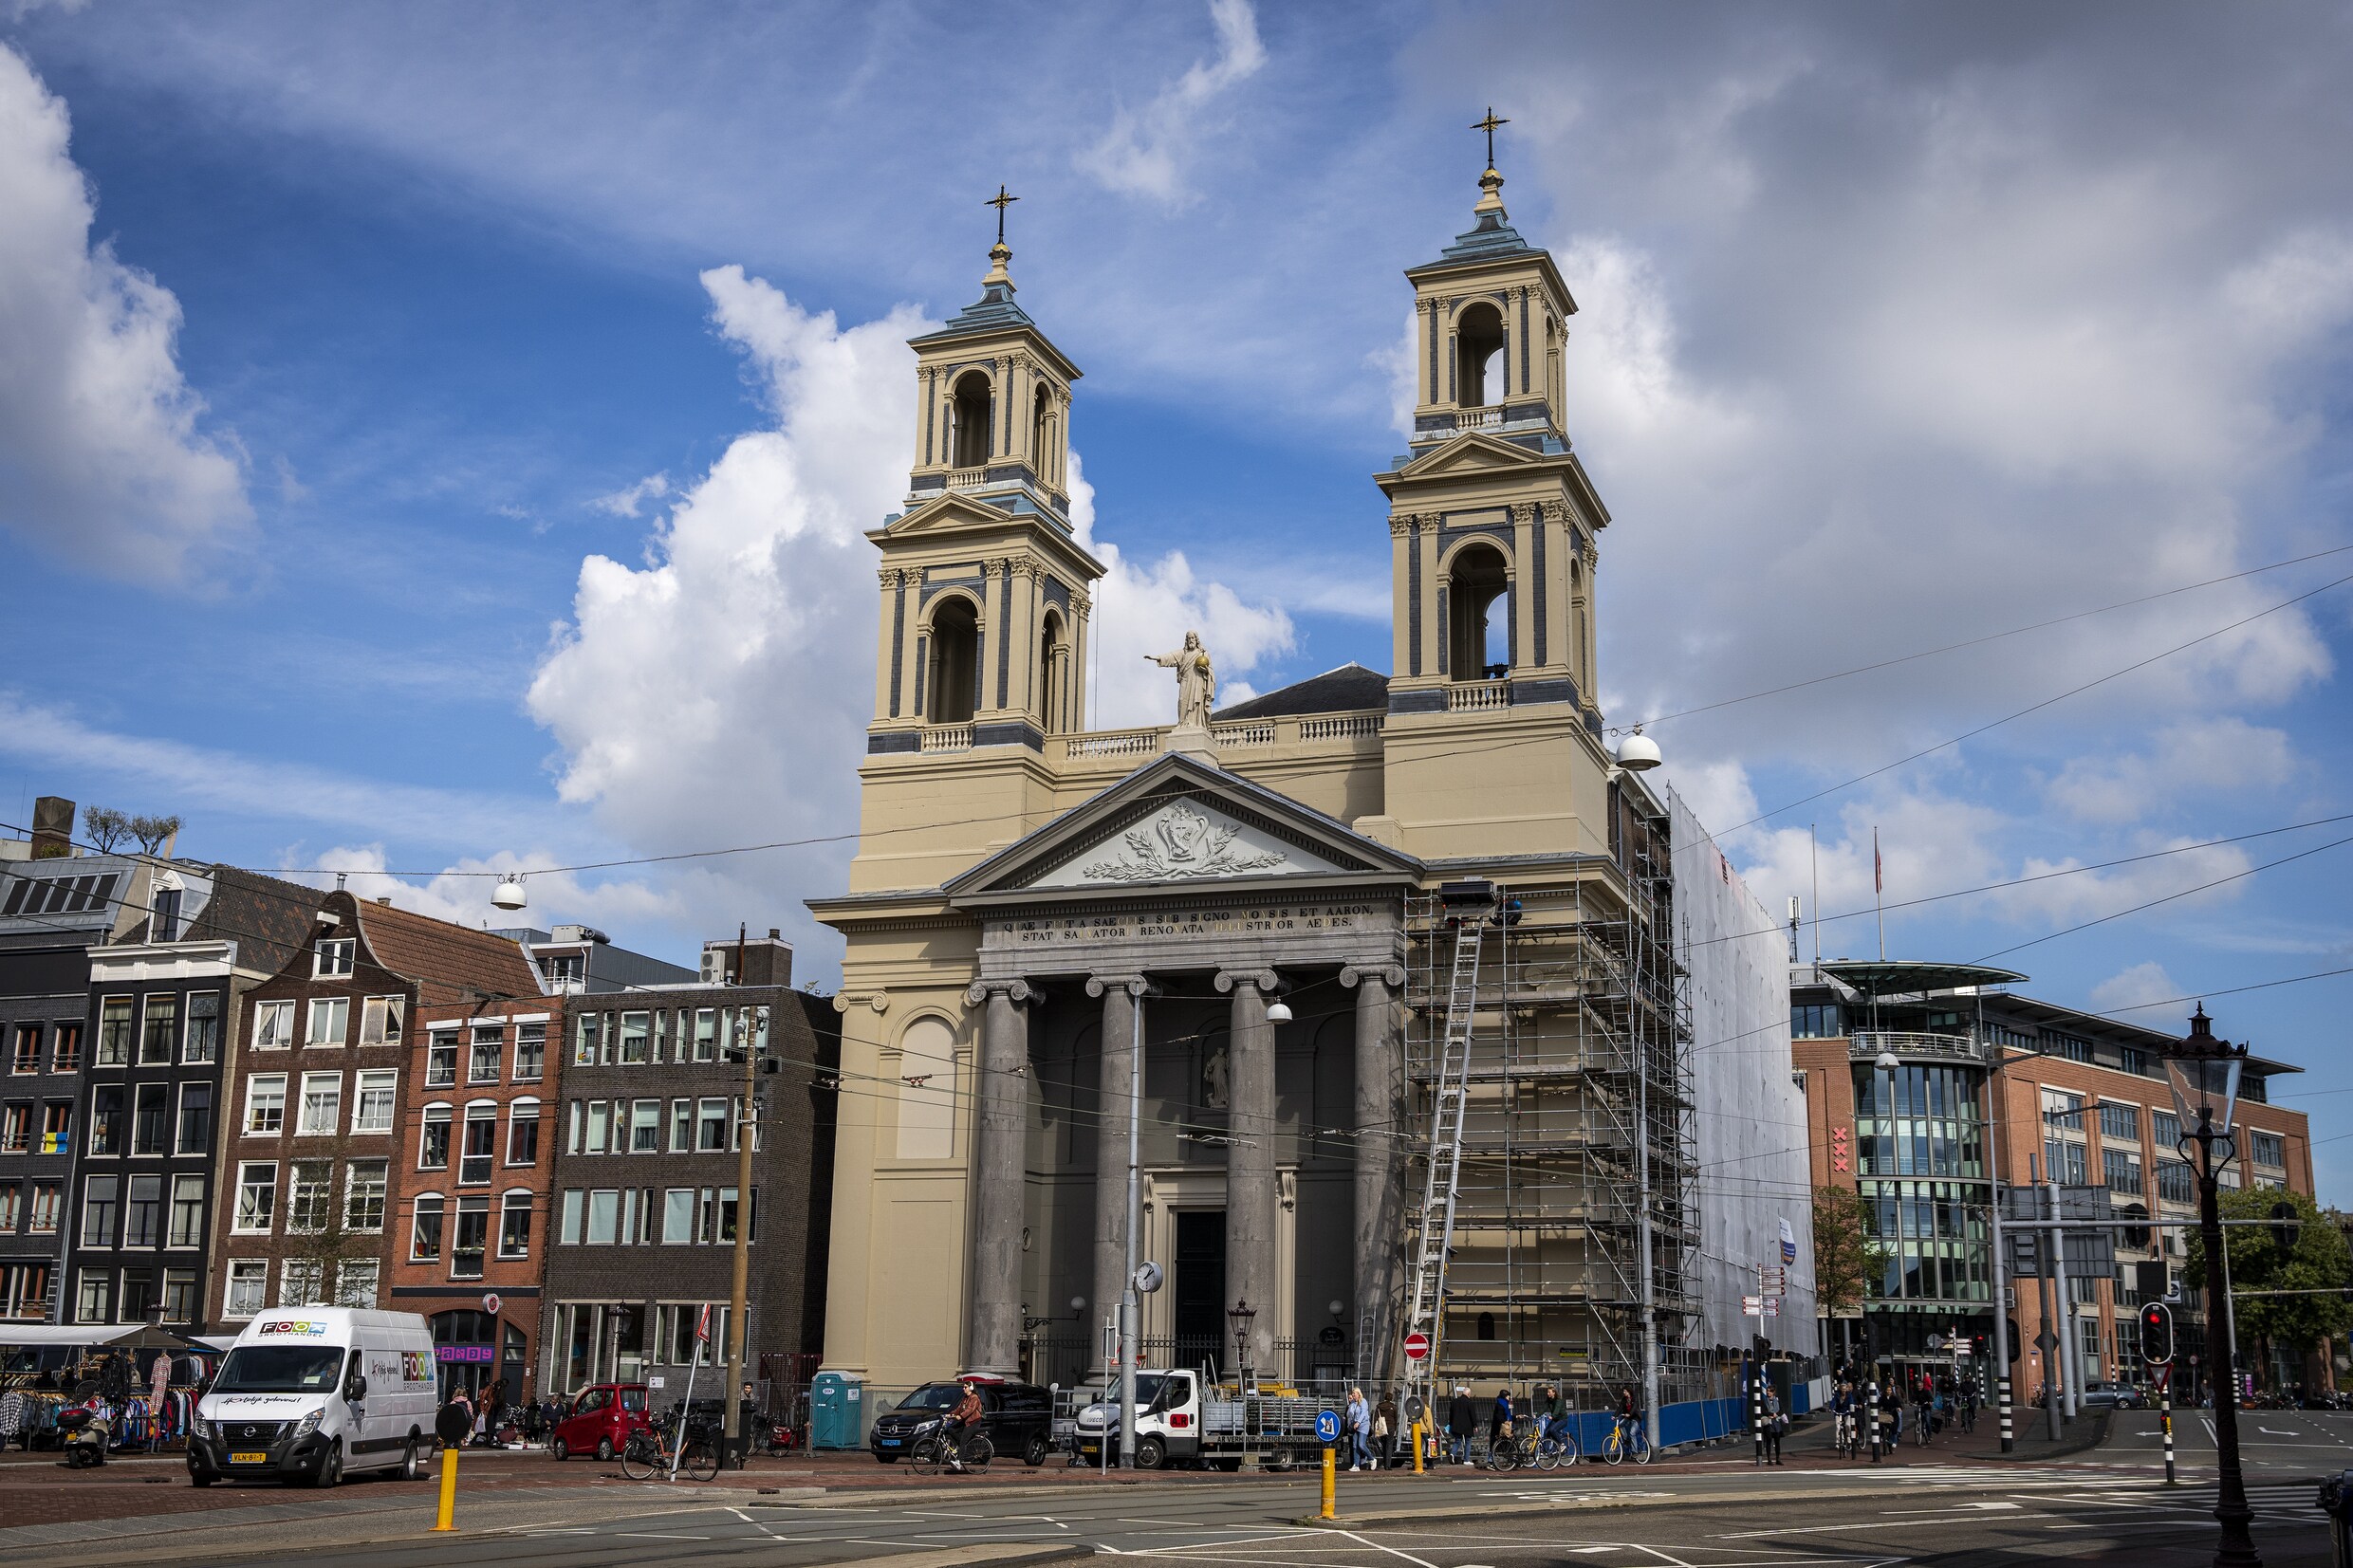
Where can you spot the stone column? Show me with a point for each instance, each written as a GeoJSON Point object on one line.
{"type": "Point", "coordinates": [1251, 1193]}
{"type": "Point", "coordinates": [1000, 1130]}
{"type": "Point", "coordinates": [1380, 1216]}
{"type": "Point", "coordinates": [1116, 1080]}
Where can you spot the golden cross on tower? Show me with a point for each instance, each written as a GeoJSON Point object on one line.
{"type": "Point", "coordinates": [1488, 125]}
{"type": "Point", "coordinates": [1001, 201]}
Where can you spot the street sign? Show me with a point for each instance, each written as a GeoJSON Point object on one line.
{"type": "Point", "coordinates": [2046, 1341]}
{"type": "Point", "coordinates": [1416, 1346]}
{"type": "Point", "coordinates": [490, 1303]}
{"type": "Point", "coordinates": [1327, 1425]}
{"type": "Point", "coordinates": [1936, 1342]}
{"type": "Point", "coordinates": [1414, 1409]}
{"type": "Point", "coordinates": [1751, 1305]}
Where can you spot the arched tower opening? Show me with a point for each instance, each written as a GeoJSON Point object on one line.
{"type": "Point", "coordinates": [1479, 635]}
{"type": "Point", "coordinates": [955, 663]}
{"type": "Point", "coordinates": [1478, 354]}
{"type": "Point", "coordinates": [1053, 674]}
{"type": "Point", "coordinates": [1041, 426]}
{"type": "Point", "coordinates": [974, 405]}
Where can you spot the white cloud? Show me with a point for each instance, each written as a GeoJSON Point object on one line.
{"type": "Point", "coordinates": [102, 459]}
{"type": "Point", "coordinates": [462, 892]}
{"type": "Point", "coordinates": [2197, 756]}
{"type": "Point", "coordinates": [2142, 983]}
{"type": "Point", "coordinates": [1145, 151]}
{"type": "Point", "coordinates": [719, 692]}
{"type": "Point", "coordinates": [629, 501]}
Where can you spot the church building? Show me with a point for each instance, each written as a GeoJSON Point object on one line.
{"type": "Point", "coordinates": [1272, 900]}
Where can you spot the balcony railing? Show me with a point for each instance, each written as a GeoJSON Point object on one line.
{"type": "Point", "coordinates": [948, 737]}
{"type": "Point", "coordinates": [1470, 697]}
{"type": "Point", "coordinates": [967, 479]}
{"type": "Point", "coordinates": [1115, 743]}
{"type": "Point", "coordinates": [1866, 1044]}
{"type": "Point", "coordinates": [1249, 733]}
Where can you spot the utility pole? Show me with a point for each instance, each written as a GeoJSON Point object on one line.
{"type": "Point", "coordinates": [1131, 1302]}
{"type": "Point", "coordinates": [746, 1134]}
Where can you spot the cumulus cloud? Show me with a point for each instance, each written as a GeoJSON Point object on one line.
{"type": "Point", "coordinates": [2134, 987]}
{"type": "Point", "coordinates": [630, 500]}
{"type": "Point", "coordinates": [462, 891]}
{"type": "Point", "coordinates": [2189, 759]}
{"type": "Point", "coordinates": [1144, 152]}
{"type": "Point", "coordinates": [718, 691]}
{"type": "Point", "coordinates": [102, 458]}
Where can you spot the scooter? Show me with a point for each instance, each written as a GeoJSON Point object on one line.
{"type": "Point", "coordinates": [86, 1432]}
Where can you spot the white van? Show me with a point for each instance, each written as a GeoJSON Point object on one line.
{"type": "Point", "coordinates": [309, 1393]}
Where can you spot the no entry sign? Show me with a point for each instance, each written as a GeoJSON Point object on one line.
{"type": "Point", "coordinates": [1416, 1346]}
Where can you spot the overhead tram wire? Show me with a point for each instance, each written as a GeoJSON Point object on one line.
{"type": "Point", "coordinates": [1973, 642]}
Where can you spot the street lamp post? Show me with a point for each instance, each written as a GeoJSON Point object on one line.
{"type": "Point", "coordinates": [2203, 1073]}
{"type": "Point", "coordinates": [1246, 1378]}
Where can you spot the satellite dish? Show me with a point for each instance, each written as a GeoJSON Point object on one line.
{"type": "Point", "coordinates": [1147, 1279]}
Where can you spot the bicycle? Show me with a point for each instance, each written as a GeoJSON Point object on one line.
{"type": "Point", "coordinates": [1554, 1449]}
{"type": "Point", "coordinates": [936, 1451]}
{"type": "Point", "coordinates": [650, 1454]}
{"type": "Point", "coordinates": [1504, 1454]}
{"type": "Point", "coordinates": [1846, 1435]}
{"type": "Point", "coordinates": [1627, 1437]}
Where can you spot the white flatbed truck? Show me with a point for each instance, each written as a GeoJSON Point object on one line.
{"type": "Point", "coordinates": [1187, 1418]}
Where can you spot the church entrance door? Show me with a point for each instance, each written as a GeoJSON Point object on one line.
{"type": "Point", "coordinates": [1200, 1289]}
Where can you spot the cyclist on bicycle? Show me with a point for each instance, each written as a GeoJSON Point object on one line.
{"type": "Point", "coordinates": [1842, 1418]}
{"type": "Point", "coordinates": [965, 1418]}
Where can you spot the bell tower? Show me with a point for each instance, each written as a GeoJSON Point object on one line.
{"type": "Point", "coordinates": [1493, 527]}
{"type": "Point", "coordinates": [986, 593]}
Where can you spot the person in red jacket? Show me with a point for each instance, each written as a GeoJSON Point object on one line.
{"type": "Point", "coordinates": [961, 1421]}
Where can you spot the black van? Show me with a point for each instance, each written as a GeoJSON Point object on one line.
{"type": "Point", "coordinates": [1018, 1417]}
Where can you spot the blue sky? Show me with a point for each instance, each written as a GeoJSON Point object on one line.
{"type": "Point", "coordinates": [435, 440]}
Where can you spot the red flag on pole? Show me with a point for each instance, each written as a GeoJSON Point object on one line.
{"type": "Point", "coordinates": [1879, 871]}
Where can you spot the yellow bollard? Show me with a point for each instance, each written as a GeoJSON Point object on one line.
{"type": "Point", "coordinates": [1418, 1440]}
{"type": "Point", "coordinates": [1332, 1509]}
{"type": "Point", "coordinates": [449, 1491]}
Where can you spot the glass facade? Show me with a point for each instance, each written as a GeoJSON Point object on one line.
{"type": "Point", "coordinates": [1920, 1135]}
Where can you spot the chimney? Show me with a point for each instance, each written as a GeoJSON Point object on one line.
{"type": "Point", "coordinates": [52, 828]}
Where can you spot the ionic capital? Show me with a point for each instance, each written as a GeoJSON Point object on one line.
{"type": "Point", "coordinates": [1260, 980]}
{"type": "Point", "coordinates": [1134, 985]}
{"type": "Point", "coordinates": [1015, 989]}
{"type": "Point", "coordinates": [1391, 975]}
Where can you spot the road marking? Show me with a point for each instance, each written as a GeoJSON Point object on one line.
{"type": "Point", "coordinates": [1828, 1529]}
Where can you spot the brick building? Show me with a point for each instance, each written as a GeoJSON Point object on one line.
{"type": "Point", "coordinates": [645, 1174]}
{"type": "Point", "coordinates": [469, 1203]}
{"type": "Point", "coordinates": [1927, 1083]}
{"type": "Point", "coordinates": [314, 1114]}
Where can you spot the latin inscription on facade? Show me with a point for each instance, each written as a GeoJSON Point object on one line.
{"type": "Point", "coordinates": [1217, 920]}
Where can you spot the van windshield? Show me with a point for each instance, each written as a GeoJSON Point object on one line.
{"type": "Point", "coordinates": [279, 1369]}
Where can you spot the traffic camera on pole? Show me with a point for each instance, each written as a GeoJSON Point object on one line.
{"type": "Point", "coordinates": [2156, 1333]}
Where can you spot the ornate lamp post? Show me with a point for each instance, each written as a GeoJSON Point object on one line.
{"type": "Point", "coordinates": [1240, 1315]}
{"type": "Point", "coordinates": [2203, 1072]}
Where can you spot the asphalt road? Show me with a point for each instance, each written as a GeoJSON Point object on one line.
{"type": "Point", "coordinates": [1728, 1518]}
{"type": "Point", "coordinates": [2271, 1444]}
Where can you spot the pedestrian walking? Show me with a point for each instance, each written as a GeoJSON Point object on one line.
{"type": "Point", "coordinates": [1360, 1431]}
{"type": "Point", "coordinates": [1385, 1428]}
{"type": "Point", "coordinates": [1462, 1419]}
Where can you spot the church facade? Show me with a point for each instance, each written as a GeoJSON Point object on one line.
{"type": "Point", "coordinates": [1251, 907]}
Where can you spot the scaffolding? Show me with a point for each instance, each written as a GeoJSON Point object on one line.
{"type": "Point", "coordinates": [1575, 1156]}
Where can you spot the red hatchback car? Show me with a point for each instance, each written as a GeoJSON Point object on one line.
{"type": "Point", "coordinates": [601, 1420]}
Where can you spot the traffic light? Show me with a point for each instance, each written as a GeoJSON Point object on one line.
{"type": "Point", "coordinates": [2017, 1348]}
{"type": "Point", "coordinates": [2157, 1333]}
{"type": "Point", "coordinates": [1980, 1347]}
{"type": "Point", "coordinates": [2136, 1235]}
{"type": "Point", "coordinates": [2284, 1226]}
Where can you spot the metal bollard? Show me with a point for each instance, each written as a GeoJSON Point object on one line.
{"type": "Point", "coordinates": [2008, 1441]}
{"type": "Point", "coordinates": [1332, 1486]}
{"type": "Point", "coordinates": [1418, 1439]}
{"type": "Point", "coordinates": [2165, 1424]}
{"type": "Point", "coordinates": [448, 1518]}
{"type": "Point", "coordinates": [1875, 1423]}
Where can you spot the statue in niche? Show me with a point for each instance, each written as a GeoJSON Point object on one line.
{"type": "Point", "coordinates": [1214, 1074]}
{"type": "Point", "coordinates": [1197, 682]}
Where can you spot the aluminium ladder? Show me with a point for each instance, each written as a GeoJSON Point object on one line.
{"type": "Point", "coordinates": [1446, 1118]}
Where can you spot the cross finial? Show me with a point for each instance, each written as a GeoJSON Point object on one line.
{"type": "Point", "coordinates": [1488, 125]}
{"type": "Point", "coordinates": [1001, 201]}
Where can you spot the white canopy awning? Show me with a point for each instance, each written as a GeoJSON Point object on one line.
{"type": "Point", "coordinates": [30, 1335]}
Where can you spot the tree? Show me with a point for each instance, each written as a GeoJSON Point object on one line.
{"type": "Point", "coordinates": [106, 827]}
{"type": "Point", "coordinates": [153, 833]}
{"type": "Point", "coordinates": [1846, 1259]}
{"type": "Point", "coordinates": [2317, 1264]}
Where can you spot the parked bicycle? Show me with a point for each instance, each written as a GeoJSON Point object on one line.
{"type": "Point", "coordinates": [1627, 1440]}
{"type": "Point", "coordinates": [653, 1452]}
{"type": "Point", "coordinates": [1505, 1453]}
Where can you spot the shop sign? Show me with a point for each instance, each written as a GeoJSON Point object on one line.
{"type": "Point", "coordinates": [461, 1352]}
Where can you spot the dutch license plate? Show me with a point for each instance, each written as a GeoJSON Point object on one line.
{"type": "Point", "coordinates": [249, 1459]}
{"type": "Point", "coordinates": [1090, 1447]}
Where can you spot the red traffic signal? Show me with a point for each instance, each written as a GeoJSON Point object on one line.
{"type": "Point", "coordinates": [2156, 1333]}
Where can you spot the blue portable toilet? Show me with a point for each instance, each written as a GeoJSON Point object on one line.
{"type": "Point", "coordinates": [837, 1410]}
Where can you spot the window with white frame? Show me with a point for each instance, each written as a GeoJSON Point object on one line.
{"type": "Point", "coordinates": [433, 1142]}
{"type": "Point", "coordinates": [330, 1021]}
{"type": "Point", "coordinates": [102, 1210]}
{"type": "Point", "coordinates": [373, 1099]}
{"type": "Point", "coordinates": [567, 1230]}
{"type": "Point", "coordinates": [308, 1187]}
{"type": "Point", "coordinates": [635, 1032]}
{"type": "Point", "coordinates": [331, 960]}
{"type": "Point", "coordinates": [531, 1051]}
{"type": "Point", "coordinates": [380, 1020]}
{"type": "Point", "coordinates": [301, 1282]}
{"type": "Point", "coordinates": [514, 1225]}
{"type": "Point", "coordinates": [249, 1288]}
{"type": "Point", "coordinates": [265, 1105]}
{"type": "Point", "coordinates": [2119, 1123]}
{"type": "Point", "coordinates": [203, 1040]}
{"type": "Point", "coordinates": [180, 1295]}
{"type": "Point", "coordinates": [187, 1212]}
{"type": "Point", "coordinates": [600, 1136]}
{"type": "Point", "coordinates": [2266, 1149]}
{"type": "Point", "coordinates": [645, 1127]}
{"type": "Point", "coordinates": [142, 1211]}
{"type": "Point", "coordinates": [113, 1033]}
{"type": "Point", "coordinates": [584, 1041]}
{"type": "Point", "coordinates": [486, 1053]}
{"type": "Point", "coordinates": [425, 1228]}
{"type": "Point", "coordinates": [273, 1025]}
{"type": "Point", "coordinates": [158, 1034]}
{"type": "Point", "coordinates": [523, 1133]}
{"type": "Point", "coordinates": [711, 1124]}
{"type": "Point", "coordinates": [604, 1217]}
{"type": "Point", "coordinates": [677, 1216]}
{"type": "Point", "coordinates": [480, 1148]}
{"type": "Point", "coordinates": [440, 1059]}
{"type": "Point", "coordinates": [257, 1197]}
{"type": "Point", "coordinates": [195, 1135]}
{"type": "Point", "coordinates": [363, 1195]}
{"type": "Point", "coordinates": [322, 1104]}
{"type": "Point", "coordinates": [95, 1303]}
{"type": "Point", "coordinates": [682, 1126]}
{"type": "Point", "coordinates": [355, 1282]}
{"type": "Point", "coordinates": [469, 1242]}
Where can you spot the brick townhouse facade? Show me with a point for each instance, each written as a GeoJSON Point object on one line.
{"type": "Point", "coordinates": [470, 1228]}
{"type": "Point", "coordinates": [165, 1007]}
{"type": "Point", "coordinates": [2072, 1096]}
{"type": "Point", "coordinates": [315, 1110]}
{"type": "Point", "coordinates": [645, 1175]}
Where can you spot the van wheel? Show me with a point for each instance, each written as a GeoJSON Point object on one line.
{"type": "Point", "coordinates": [604, 1450]}
{"type": "Point", "coordinates": [1151, 1453]}
{"type": "Point", "coordinates": [557, 1451]}
{"type": "Point", "coordinates": [412, 1462]}
{"type": "Point", "coordinates": [331, 1468]}
{"type": "Point", "coordinates": [1034, 1455]}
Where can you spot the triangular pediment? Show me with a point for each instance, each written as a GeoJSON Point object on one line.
{"type": "Point", "coordinates": [947, 513]}
{"type": "Point", "coordinates": [1177, 823]}
{"type": "Point", "coordinates": [1472, 451]}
